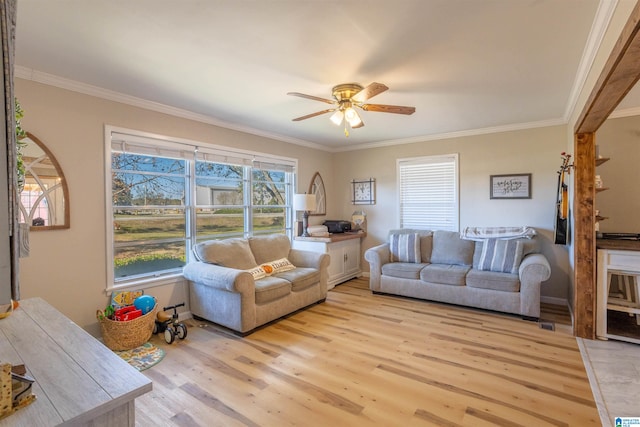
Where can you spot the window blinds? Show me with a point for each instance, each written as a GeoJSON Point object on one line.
{"type": "Point", "coordinates": [164, 147]}
{"type": "Point", "coordinates": [428, 191]}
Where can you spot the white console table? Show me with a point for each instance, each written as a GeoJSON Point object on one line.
{"type": "Point", "coordinates": [78, 381]}
{"type": "Point", "coordinates": [344, 251]}
{"type": "Point", "coordinates": [614, 257]}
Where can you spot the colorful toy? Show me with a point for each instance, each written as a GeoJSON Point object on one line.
{"type": "Point", "coordinates": [169, 324]}
{"type": "Point", "coordinates": [145, 303]}
{"type": "Point", "coordinates": [125, 314]}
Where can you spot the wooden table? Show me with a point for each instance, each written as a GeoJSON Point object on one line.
{"type": "Point", "coordinates": [79, 381]}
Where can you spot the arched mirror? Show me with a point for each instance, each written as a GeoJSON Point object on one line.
{"type": "Point", "coordinates": [317, 189]}
{"type": "Point", "coordinates": [44, 200]}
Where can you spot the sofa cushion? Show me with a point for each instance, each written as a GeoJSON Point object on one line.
{"type": "Point", "coordinates": [301, 278]}
{"type": "Point", "coordinates": [403, 270]}
{"type": "Point", "coordinates": [277, 266]}
{"type": "Point", "coordinates": [449, 248]}
{"type": "Point", "coordinates": [529, 246]}
{"type": "Point", "coordinates": [426, 246]}
{"type": "Point", "coordinates": [232, 253]}
{"type": "Point", "coordinates": [269, 247]}
{"type": "Point", "coordinates": [502, 256]}
{"type": "Point", "coordinates": [426, 241]}
{"type": "Point", "coordinates": [445, 274]}
{"type": "Point", "coordinates": [271, 288]}
{"type": "Point", "coordinates": [506, 282]}
{"type": "Point", "coordinates": [404, 247]}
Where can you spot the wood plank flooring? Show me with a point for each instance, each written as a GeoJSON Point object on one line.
{"type": "Point", "coordinates": [363, 360]}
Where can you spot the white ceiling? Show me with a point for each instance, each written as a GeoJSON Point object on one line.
{"type": "Point", "coordinates": [468, 66]}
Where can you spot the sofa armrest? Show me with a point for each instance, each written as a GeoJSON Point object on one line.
{"type": "Point", "coordinates": [308, 259]}
{"type": "Point", "coordinates": [216, 276]}
{"type": "Point", "coordinates": [534, 269]}
{"type": "Point", "coordinates": [376, 256]}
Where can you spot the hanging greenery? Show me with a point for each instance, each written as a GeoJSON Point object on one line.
{"type": "Point", "coordinates": [20, 135]}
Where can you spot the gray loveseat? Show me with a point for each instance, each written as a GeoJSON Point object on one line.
{"type": "Point", "coordinates": [245, 283]}
{"type": "Point", "coordinates": [443, 267]}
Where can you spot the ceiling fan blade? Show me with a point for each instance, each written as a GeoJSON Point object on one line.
{"type": "Point", "coordinates": [369, 92]}
{"type": "Point", "coordinates": [308, 116]}
{"type": "Point", "coordinates": [396, 109]}
{"type": "Point", "coordinates": [315, 98]}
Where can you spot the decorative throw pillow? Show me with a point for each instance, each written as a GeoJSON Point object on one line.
{"type": "Point", "coordinates": [449, 248]}
{"type": "Point", "coordinates": [405, 247]}
{"type": "Point", "coordinates": [277, 266]}
{"type": "Point", "coordinates": [257, 272]}
{"type": "Point", "coordinates": [232, 253]}
{"type": "Point", "coordinates": [503, 256]}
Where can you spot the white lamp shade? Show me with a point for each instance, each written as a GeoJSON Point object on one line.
{"type": "Point", "coordinates": [336, 117]}
{"type": "Point", "coordinates": [304, 202]}
{"type": "Point", "coordinates": [352, 117]}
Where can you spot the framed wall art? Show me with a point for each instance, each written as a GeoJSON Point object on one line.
{"type": "Point", "coordinates": [513, 186]}
{"type": "Point", "coordinates": [317, 189]}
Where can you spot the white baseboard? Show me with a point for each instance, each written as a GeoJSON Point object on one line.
{"type": "Point", "coordinates": [365, 274]}
{"type": "Point", "coordinates": [555, 301]}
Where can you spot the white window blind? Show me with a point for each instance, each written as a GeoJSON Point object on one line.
{"type": "Point", "coordinates": [428, 189]}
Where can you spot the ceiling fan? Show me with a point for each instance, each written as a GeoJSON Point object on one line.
{"type": "Point", "coordinates": [347, 96]}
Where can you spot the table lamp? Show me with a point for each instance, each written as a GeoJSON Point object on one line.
{"type": "Point", "coordinates": [304, 203]}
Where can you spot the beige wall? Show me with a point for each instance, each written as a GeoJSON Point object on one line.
{"type": "Point", "coordinates": [535, 151]}
{"type": "Point", "coordinates": [619, 139]}
{"type": "Point", "coordinates": [68, 267]}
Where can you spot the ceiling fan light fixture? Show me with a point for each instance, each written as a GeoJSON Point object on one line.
{"type": "Point", "coordinates": [336, 117]}
{"type": "Point", "coordinates": [352, 117]}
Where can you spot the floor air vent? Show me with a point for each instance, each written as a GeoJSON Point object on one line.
{"type": "Point", "coordinates": [548, 326]}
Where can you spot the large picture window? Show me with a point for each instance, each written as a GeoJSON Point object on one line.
{"type": "Point", "coordinates": [166, 196]}
{"type": "Point", "coordinates": [148, 211]}
{"type": "Point", "coordinates": [428, 191]}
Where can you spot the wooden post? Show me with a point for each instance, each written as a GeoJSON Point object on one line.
{"type": "Point", "coordinates": [584, 295]}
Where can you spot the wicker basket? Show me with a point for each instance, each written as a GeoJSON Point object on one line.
{"type": "Point", "coordinates": [127, 335]}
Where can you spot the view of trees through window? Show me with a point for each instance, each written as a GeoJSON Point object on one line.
{"type": "Point", "coordinates": [154, 207]}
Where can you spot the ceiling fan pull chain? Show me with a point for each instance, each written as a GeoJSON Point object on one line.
{"type": "Point", "coordinates": [346, 132]}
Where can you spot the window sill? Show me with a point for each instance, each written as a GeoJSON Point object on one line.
{"type": "Point", "coordinates": [146, 283]}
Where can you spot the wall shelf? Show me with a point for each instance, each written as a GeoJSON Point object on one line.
{"type": "Point", "coordinates": [602, 160]}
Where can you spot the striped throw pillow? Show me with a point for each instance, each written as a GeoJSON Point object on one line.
{"type": "Point", "coordinates": [405, 247]}
{"type": "Point", "coordinates": [502, 256]}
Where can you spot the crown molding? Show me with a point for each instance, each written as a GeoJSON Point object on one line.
{"type": "Point", "coordinates": [98, 92]}
{"type": "Point", "coordinates": [459, 134]}
{"type": "Point", "coordinates": [86, 89]}
{"type": "Point", "coordinates": [596, 35]}
{"type": "Point", "coordinates": [628, 112]}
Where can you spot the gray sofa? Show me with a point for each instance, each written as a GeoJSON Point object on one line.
{"type": "Point", "coordinates": [443, 267]}
{"type": "Point", "coordinates": [246, 283]}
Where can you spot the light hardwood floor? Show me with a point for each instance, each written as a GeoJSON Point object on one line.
{"type": "Point", "coordinates": [361, 359]}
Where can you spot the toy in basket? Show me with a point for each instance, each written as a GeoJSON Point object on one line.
{"type": "Point", "coordinates": [129, 329]}
{"type": "Point", "coordinates": [168, 323]}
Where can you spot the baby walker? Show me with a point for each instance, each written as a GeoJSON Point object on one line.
{"type": "Point", "coordinates": [169, 324]}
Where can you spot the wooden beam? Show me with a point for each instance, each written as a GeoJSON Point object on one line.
{"type": "Point", "coordinates": [619, 75]}
{"type": "Point", "coordinates": [584, 296]}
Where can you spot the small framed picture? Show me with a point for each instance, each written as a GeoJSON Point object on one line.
{"type": "Point", "coordinates": [513, 186]}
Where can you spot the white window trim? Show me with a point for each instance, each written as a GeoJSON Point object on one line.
{"type": "Point", "coordinates": [170, 142]}
{"type": "Point", "coordinates": [424, 159]}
